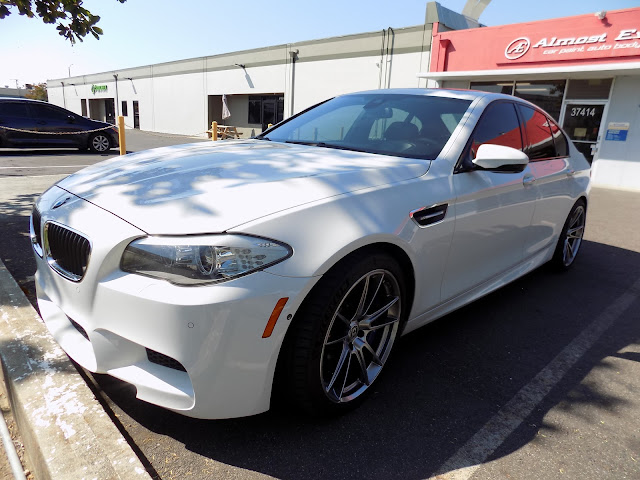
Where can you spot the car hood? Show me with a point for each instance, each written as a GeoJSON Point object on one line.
{"type": "Point", "coordinates": [212, 187]}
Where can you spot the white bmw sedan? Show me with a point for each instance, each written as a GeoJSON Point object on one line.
{"type": "Point", "coordinates": [212, 275]}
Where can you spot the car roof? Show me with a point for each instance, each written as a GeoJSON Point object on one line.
{"type": "Point", "coordinates": [22, 99]}
{"type": "Point", "coordinates": [443, 92]}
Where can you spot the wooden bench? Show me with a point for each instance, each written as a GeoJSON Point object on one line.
{"type": "Point", "coordinates": [225, 132]}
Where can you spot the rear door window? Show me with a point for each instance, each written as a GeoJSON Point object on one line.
{"type": "Point", "coordinates": [46, 112]}
{"type": "Point", "coordinates": [541, 144]}
{"type": "Point", "coordinates": [14, 109]}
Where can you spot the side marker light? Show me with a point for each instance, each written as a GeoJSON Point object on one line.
{"type": "Point", "coordinates": [268, 330]}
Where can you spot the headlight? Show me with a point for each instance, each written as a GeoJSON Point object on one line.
{"type": "Point", "coordinates": [201, 259]}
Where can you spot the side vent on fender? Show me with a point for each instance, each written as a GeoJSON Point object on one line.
{"type": "Point", "coordinates": [426, 216]}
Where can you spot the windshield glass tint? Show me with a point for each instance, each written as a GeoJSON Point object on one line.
{"type": "Point", "coordinates": [416, 126]}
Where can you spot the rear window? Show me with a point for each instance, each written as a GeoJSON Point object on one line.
{"type": "Point", "coordinates": [416, 126]}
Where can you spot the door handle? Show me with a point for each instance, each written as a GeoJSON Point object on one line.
{"type": "Point", "coordinates": [528, 180]}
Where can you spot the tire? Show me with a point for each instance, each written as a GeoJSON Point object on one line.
{"type": "Point", "coordinates": [340, 339]}
{"type": "Point", "coordinates": [570, 238]}
{"type": "Point", "coordinates": [99, 143]}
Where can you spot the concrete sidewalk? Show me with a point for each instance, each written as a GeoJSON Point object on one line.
{"type": "Point", "coordinates": [65, 430]}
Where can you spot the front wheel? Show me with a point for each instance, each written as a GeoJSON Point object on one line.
{"type": "Point", "coordinates": [99, 143]}
{"type": "Point", "coordinates": [571, 237]}
{"type": "Point", "coordinates": [343, 334]}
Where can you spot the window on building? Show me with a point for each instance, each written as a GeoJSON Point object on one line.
{"type": "Point", "coordinates": [265, 109]}
{"type": "Point", "coordinates": [546, 94]}
{"type": "Point", "coordinates": [493, 87]}
{"type": "Point", "coordinates": [83, 105]}
{"type": "Point", "coordinates": [541, 140]}
{"type": "Point", "coordinates": [592, 89]}
{"type": "Point", "coordinates": [125, 112]}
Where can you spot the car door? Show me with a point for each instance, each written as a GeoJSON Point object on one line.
{"type": "Point", "coordinates": [548, 153]}
{"type": "Point", "coordinates": [15, 115]}
{"type": "Point", "coordinates": [54, 122]}
{"type": "Point", "coordinates": [493, 209]}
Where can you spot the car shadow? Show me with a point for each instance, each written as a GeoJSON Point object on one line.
{"type": "Point", "coordinates": [443, 384]}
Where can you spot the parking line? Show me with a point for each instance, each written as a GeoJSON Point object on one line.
{"type": "Point", "coordinates": [463, 464]}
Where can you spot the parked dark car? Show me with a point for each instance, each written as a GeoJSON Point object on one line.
{"type": "Point", "coordinates": [53, 127]}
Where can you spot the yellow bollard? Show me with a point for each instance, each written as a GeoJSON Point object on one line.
{"type": "Point", "coordinates": [214, 131]}
{"type": "Point", "coordinates": [121, 139]}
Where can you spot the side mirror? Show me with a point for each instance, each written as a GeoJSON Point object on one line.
{"type": "Point", "coordinates": [500, 158]}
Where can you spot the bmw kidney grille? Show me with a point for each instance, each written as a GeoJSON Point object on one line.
{"type": "Point", "coordinates": [67, 251]}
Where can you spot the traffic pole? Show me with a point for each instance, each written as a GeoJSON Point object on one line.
{"type": "Point", "coordinates": [214, 131]}
{"type": "Point", "coordinates": [121, 139]}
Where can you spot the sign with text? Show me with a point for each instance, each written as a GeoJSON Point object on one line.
{"type": "Point", "coordinates": [617, 131]}
{"type": "Point", "coordinates": [98, 89]}
{"type": "Point", "coordinates": [576, 40]}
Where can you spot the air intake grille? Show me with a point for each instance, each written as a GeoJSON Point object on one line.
{"type": "Point", "coordinates": [160, 359]}
{"type": "Point", "coordinates": [69, 251]}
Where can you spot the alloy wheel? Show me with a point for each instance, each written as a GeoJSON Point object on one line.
{"type": "Point", "coordinates": [360, 336]}
{"type": "Point", "coordinates": [100, 143]}
{"type": "Point", "coordinates": [573, 237]}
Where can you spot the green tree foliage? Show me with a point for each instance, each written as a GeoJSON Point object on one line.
{"type": "Point", "coordinates": [73, 21]}
{"type": "Point", "coordinates": [38, 92]}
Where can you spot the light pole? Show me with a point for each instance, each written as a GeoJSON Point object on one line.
{"type": "Point", "coordinates": [69, 69]}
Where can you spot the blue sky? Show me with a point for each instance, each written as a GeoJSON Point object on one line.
{"type": "Point", "coordinates": [142, 32]}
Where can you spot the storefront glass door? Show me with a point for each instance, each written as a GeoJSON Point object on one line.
{"type": "Point", "coordinates": [582, 122]}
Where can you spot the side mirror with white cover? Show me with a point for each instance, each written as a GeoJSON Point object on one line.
{"type": "Point", "coordinates": [500, 158]}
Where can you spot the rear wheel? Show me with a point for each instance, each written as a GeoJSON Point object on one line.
{"type": "Point", "coordinates": [99, 143]}
{"type": "Point", "coordinates": [343, 335]}
{"type": "Point", "coordinates": [571, 237]}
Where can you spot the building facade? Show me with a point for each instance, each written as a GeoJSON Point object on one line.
{"type": "Point", "coordinates": [261, 86]}
{"type": "Point", "coordinates": [583, 70]}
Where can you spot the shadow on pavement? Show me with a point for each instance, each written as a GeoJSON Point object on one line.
{"type": "Point", "coordinates": [445, 382]}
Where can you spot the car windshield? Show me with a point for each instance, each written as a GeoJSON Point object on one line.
{"type": "Point", "coordinates": [415, 126]}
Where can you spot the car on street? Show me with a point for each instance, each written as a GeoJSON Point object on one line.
{"type": "Point", "coordinates": [28, 123]}
{"type": "Point", "coordinates": [217, 276]}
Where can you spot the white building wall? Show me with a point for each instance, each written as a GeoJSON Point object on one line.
{"type": "Point", "coordinates": [618, 162]}
{"type": "Point", "coordinates": [316, 81]}
{"type": "Point", "coordinates": [184, 113]}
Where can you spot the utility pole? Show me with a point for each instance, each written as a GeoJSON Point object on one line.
{"type": "Point", "coordinates": [17, 87]}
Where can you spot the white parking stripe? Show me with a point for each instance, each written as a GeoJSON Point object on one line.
{"type": "Point", "coordinates": [463, 464]}
{"type": "Point", "coordinates": [46, 166]}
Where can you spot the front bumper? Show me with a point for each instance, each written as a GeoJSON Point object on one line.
{"type": "Point", "coordinates": [196, 350]}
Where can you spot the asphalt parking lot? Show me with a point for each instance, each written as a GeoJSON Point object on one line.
{"type": "Point", "coordinates": [538, 380]}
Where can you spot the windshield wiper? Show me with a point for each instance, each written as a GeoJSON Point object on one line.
{"type": "Point", "coordinates": [298, 142]}
{"type": "Point", "coordinates": [326, 145]}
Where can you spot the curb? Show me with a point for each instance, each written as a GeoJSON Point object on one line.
{"type": "Point", "coordinates": [65, 430]}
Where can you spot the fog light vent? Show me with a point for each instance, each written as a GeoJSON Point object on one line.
{"type": "Point", "coordinates": [78, 327]}
{"type": "Point", "coordinates": [160, 359]}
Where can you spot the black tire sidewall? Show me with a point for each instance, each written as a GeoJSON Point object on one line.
{"type": "Point", "coordinates": [557, 261]}
{"type": "Point", "coordinates": [310, 325]}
